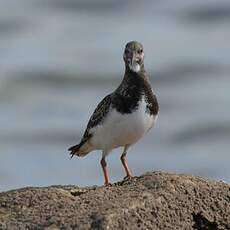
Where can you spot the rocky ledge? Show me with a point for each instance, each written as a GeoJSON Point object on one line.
{"type": "Point", "coordinates": [153, 201]}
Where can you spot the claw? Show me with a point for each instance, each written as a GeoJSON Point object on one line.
{"type": "Point", "coordinates": [128, 177]}
{"type": "Point", "coordinates": [108, 184]}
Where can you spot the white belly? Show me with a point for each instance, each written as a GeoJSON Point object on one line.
{"type": "Point", "coordinates": [122, 129]}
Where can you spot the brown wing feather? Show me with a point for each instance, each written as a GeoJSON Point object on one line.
{"type": "Point", "coordinates": [97, 117]}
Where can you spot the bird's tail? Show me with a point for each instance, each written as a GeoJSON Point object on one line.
{"type": "Point", "coordinates": [73, 150]}
{"type": "Point", "coordinates": [80, 150]}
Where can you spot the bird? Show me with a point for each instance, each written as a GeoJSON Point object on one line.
{"type": "Point", "coordinates": [123, 116]}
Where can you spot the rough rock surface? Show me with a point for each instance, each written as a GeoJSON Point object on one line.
{"type": "Point", "coordinates": [153, 201]}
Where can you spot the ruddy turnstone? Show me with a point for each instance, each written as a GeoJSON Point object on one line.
{"type": "Point", "coordinates": [123, 116]}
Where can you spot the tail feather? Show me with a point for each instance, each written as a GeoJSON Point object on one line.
{"type": "Point", "coordinates": [80, 150]}
{"type": "Point", "coordinates": [73, 150]}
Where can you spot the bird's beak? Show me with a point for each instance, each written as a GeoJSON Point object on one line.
{"type": "Point", "coordinates": [134, 59]}
{"type": "Point", "coordinates": [134, 65]}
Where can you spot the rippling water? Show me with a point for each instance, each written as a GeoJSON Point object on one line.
{"type": "Point", "coordinates": [58, 59]}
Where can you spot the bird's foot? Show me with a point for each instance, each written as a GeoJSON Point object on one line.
{"type": "Point", "coordinates": [107, 184]}
{"type": "Point", "coordinates": [128, 177]}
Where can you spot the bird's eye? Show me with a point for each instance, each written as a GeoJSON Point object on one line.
{"type": "Point", "coordinates": [140, 51]}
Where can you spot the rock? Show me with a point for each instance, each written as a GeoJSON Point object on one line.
{"type": "Point", "coordinates": [155, 200]}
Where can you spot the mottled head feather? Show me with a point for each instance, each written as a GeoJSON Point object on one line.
{"type": "Point", "coordinates": [134, 56]}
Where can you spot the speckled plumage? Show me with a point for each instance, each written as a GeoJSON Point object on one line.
{"type": "Point", "coordinates": [126, 114]}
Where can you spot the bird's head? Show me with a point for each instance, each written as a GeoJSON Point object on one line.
{"type": "Point", "coordinates": [134, 56]}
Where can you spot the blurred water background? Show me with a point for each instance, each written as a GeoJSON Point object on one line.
{"type": "Point", "coordinates": [59, 58]}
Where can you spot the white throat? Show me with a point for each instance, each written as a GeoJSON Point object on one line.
{"type": "Point", "coordinates": [135, 67]}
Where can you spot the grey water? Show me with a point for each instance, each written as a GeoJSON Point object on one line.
{"type": "Point", "coordinates": [58, 59]}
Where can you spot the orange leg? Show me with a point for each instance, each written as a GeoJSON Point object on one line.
{"type": "Point", "coordinates": [105, 171]}
{"type": "Point", "coordinates": [125, 165]}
